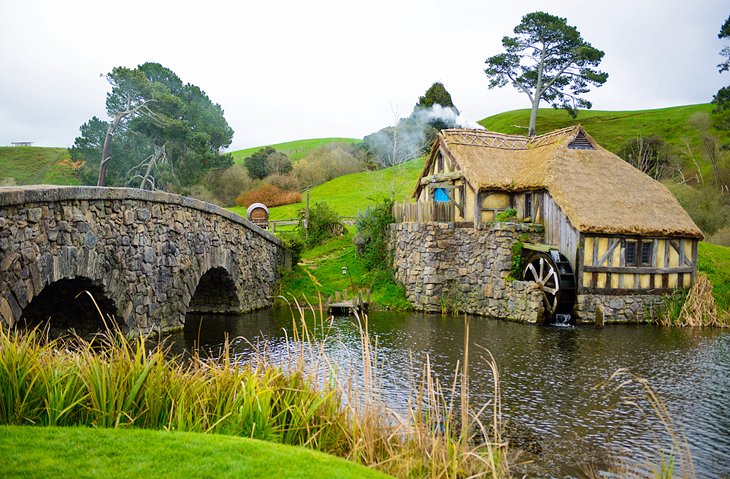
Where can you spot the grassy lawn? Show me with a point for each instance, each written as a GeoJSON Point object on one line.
{"type": "Point", "coordinates": [32, 165]}
{"type": "Point", "coordinates": [350, 194]}
{"type": "Point", "coordinates": [320, 274]}
{"type": "Point", "coordinates": [293, 149]}
{"type": "Point", "coordinates": [32, 452]}
{"type": "Point", "coordinates": [610, 128]}
{"type": "Point", "coordinates": [714, 261]}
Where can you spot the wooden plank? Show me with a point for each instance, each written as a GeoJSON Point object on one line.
{"type": "Point", "coordinates": [609, 252]}
{"type": "Point", "coordinates": [595, 251]}
{"type": "Point", "coordinates": [580, 256]}
{"type": "Point", "coordinates": [543, 248]}
{"type": "Point", "coordinates": [636, 270]}
{"type": "Point", "coordinates": [681, 252]}
{"type": "Point", "coordinates": [654, 247]}
{"type": "Point", "coordinates": [477, 208]}
{"type": "Point", "coordinates": [628, 292]}
{"type": "Point", "coordinates": [695, 244]}
{"type": "Point", "coordinates": [666, 253]}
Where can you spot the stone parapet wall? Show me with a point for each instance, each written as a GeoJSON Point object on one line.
{"type": "Point", "coordinates": [442, 266]}
{"type": "Point", "coordinates": [147, 251]}
{"type": "Point", "coordinates": [605, 308]}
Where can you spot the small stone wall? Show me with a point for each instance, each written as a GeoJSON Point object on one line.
{"type": "Point", "coordinates": [444, 267]}
{"type": "Point", "coordinates": [605, 308]}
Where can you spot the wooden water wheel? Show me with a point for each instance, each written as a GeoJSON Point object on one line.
{"type": "Point", "coordinates": [554, 276]}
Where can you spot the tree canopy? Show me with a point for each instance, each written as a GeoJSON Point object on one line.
{"type": "Point", "coordinates": [162, 133]}
{"type": "Point", "coordinates": [721, 99]}
{"type": "Point", "coordinates": [436, 95]}
{"type": "Point", "coordinates": [267, 161]}
{"type": "Point", "coordinates": [547, 60]}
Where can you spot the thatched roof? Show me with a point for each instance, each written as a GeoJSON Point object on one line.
{"type": "Point", "coordinates": [598, 191]}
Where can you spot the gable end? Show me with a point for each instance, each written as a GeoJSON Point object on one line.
{"type": "Point", "coordinates": [580, 142]}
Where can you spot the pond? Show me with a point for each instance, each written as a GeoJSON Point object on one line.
{"type": "Point", "coordinates": [548, 378]}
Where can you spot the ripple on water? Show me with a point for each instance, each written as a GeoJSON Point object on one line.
{"type": "Point", "coordinates": [548, 377]}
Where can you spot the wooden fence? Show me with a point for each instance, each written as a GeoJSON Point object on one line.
{"type": "Point", "coordinates": [273, 225]}
{"type": "Point", "coordinates": [424, 212]}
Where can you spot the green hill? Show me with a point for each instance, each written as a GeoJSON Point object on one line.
{"type": "Point", "coordinates": [29, 165]}
{"type": "Point", "coordinates": [293, 149]}
{"type": "Point", "coordinates": [610, 128]}
{"type": "Point", "coordinates": [350, 194]}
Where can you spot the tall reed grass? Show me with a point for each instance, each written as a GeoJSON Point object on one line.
{"type": "Point", "coordinates": [665, 462]}
{"type": "Point", "coordinates": [308, 400]}
{"type": "Point", "coordinates": [695, 309]}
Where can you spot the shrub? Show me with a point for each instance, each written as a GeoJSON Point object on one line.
{"type": "Point", "coordinates": [295, 244]}
{"type": "Point", "coordinates": [707, 207]}
{"type": "Point", "coordinates": [329, 162]}
{"type": "Point", "coordinates": [278, 164]}
{"type": "Point", "coordinates": [200, 192]}
{"type": "Point", "coordinates": [227, 184]}
{"type": "Point", "coordinates": [285, 182]}
{"type": "Point", "coordinates": [324, 223]}
{"type": "Point", "coordinates": [721, 236]}
{"type": "Point", "coordinates": [372, 233]}
{"type": "Point", "coordinates": [269, 195]}
{"type": "Point", "coordinates": [510, 214]}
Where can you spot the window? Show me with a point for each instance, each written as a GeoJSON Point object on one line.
{"type": "Point", "coordinates": [630, 253]}
{"type": "Point", "coordinates": [646, 253]}
{"type": "Point", "coordinates": [528, 205]}
{"type": "Point", "coordinates": [440, 196]}
{"type": "Point", "coordinates": [638, 252]}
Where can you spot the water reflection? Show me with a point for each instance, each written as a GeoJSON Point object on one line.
{"type": "Point", "coordinates": [548, 375]}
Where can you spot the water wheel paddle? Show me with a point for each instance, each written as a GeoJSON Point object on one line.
{"type": "Point", "coordinates": [554, 277]}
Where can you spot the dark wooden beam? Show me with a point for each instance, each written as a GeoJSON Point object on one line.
{"type": "Point", "coordinates": [636, 270]}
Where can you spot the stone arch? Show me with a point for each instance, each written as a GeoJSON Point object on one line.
{"type": "Point", "coordinates": [215, 292]}
{"type": "Point", "coordinates": [64, 305]}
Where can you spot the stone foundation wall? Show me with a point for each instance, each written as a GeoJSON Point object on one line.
{"type": "Point", "coordinates": [445, 267]}
{"type": "Point", "coordinates": [606, 308]}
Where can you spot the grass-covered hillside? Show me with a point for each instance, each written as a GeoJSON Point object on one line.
{"type": "Point", "coordinates": [32, 165]}
{"type": "Point", "coordinates": [350, 194]}
{"type": "Point", "coordinates": [609, 128]}
{"type": "Point", "coordinates": [293, 149]}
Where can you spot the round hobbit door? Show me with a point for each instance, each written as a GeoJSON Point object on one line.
{"type": "Point", "coordinates": [554, 277]}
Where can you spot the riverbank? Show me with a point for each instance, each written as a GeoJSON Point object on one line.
{"type": "Point", "coordinates": [301, 396]}
{"type": "Point", "coordinates": [320, 275]}
{"type": "Point", "coordinates": [29, 451]}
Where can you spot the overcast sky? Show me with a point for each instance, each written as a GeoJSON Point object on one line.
{"type": "Point", "coordinates": [287, 70]}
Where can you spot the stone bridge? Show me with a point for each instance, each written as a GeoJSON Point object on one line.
{"type": "Point", "coordinates": [146, 258]}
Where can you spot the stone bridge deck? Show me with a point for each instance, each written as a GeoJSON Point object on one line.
{"type": "Point", "coordinates": [147, 258]}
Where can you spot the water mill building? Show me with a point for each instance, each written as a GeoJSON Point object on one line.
{"type": "Point", "coordinates": [598, 239]}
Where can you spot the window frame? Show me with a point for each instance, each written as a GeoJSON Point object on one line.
{"type": "Point", "coordinates": [639, 246]}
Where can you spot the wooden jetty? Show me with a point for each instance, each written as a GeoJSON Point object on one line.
{"type": "Point", "coordinates": [341, 304]}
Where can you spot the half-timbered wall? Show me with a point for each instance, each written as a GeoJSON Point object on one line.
{"type": "Point", "coordinates": [619, 264]}
{"type": "Point", "coordinates": [444, 174]}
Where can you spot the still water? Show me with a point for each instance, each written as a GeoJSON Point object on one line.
{"type": "Point", "coordinates": [548, 378]}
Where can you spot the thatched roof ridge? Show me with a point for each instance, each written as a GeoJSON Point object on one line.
{"type": "Point", "coordinates": [598, 191]}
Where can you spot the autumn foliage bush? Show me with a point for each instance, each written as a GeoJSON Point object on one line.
{"type": "Point", "coordinates": [270, 195]}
